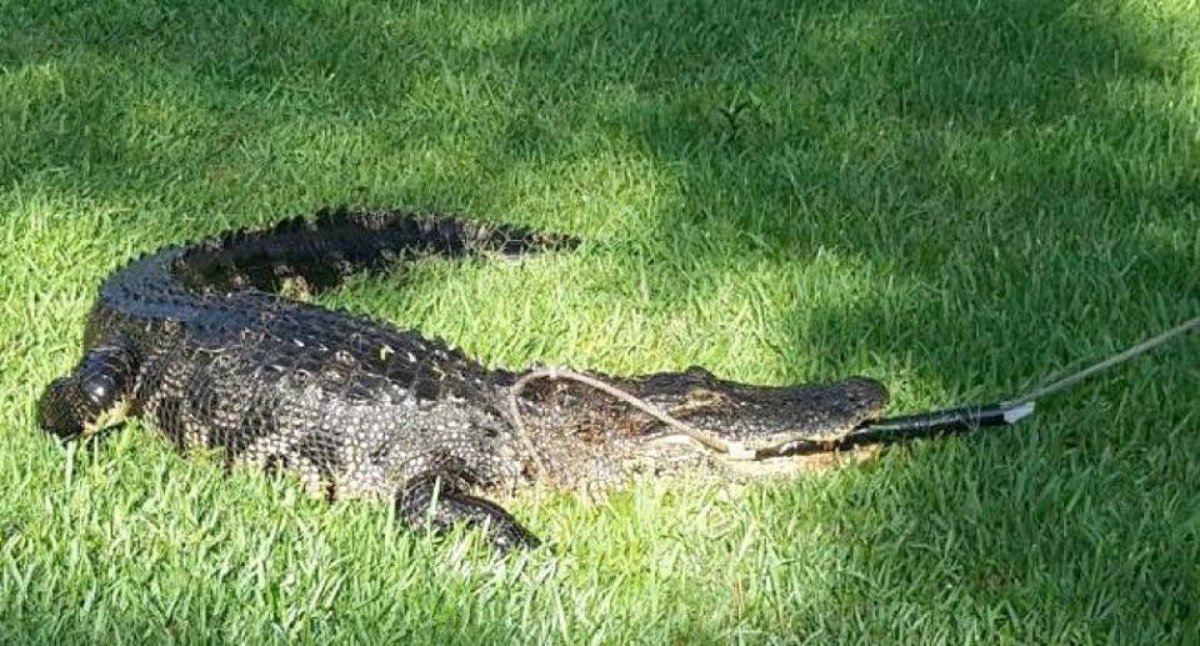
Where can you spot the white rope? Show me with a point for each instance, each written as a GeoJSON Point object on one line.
{"type": "Point", "coordinates": [1121, 357]}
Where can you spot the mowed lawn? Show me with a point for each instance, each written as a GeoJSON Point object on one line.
{"type": "Point", "coordinates": [956, 198]}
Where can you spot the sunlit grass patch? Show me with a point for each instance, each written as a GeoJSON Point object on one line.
{"type": "Point", "coordinates": [954, 198]}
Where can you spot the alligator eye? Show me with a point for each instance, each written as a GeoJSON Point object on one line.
{"type": "Point", "coordinates": [98, 389]}
{"type": "Point", "coordinates": [703, 397]}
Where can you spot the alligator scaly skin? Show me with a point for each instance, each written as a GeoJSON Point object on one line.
{"type": "Point", "coordinates": [196, 340]}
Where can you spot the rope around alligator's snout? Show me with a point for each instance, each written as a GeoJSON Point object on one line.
{"type": "Point", "coordinates": [703, 437]}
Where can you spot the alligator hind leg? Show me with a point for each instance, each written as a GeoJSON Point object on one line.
{"type": "Point", "coordinates": [436, 502]}
{"type": "Point", "coordinates": [92, 396]}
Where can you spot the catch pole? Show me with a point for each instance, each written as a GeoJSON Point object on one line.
{"type": "Point", "coordinates": [1005, 413]}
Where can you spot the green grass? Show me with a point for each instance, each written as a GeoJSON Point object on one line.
{"type": "Point", "coordinates": [956, 198]}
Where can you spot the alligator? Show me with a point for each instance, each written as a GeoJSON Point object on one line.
{"type": "Point", "coordinates": [204, 342]}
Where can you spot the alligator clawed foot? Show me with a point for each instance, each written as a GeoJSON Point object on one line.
{"type": "Point", "coordinates": [436, 502]}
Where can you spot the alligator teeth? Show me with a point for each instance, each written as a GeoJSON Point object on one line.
{"type": "Point", "coordinates": [118, 413]}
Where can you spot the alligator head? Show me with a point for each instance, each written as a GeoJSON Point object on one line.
{"type": "Point", "coordinates": [582, 429]}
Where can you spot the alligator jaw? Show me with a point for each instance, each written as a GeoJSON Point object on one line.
{"type": "Point", "coordinates": [118, 413]}
{"type": "Point", "coordinates": [790, 464]}
{"type": "Point", "coordinates": [780, 447]}
{"type": "Point", "coordinates": [787, 458]}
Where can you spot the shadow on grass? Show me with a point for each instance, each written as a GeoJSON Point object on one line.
{"type": "Point", "coordinates": [1012, 179]}
{"type": "Point", "coordinates": [1006, 187]}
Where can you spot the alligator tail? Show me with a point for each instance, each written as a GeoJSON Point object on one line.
{"type": "Point", "coordinates": [336, 243]}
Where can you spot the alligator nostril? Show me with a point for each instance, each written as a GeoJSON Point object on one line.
{"type": "Point", "coordinates": [55, 413]}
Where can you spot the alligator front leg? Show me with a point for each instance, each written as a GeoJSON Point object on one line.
{"type": "Point", "coordinates": [436, 502]}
